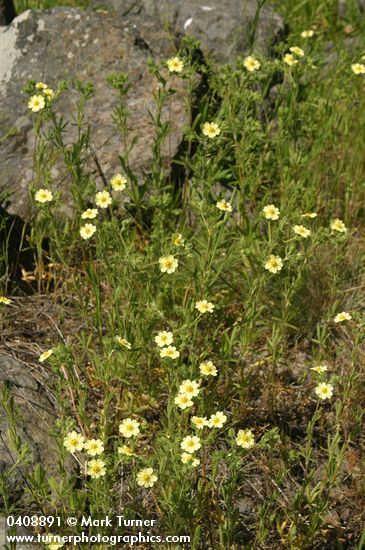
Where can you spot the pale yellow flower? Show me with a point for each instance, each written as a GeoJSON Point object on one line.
{"type": "Point", "coordinates": [146, 477]}
{"type": "Point", "coordinates": [53, 542]}
{"type": "Point", "coordinates": [164, 338]}
{"type": "Point", "coordinates": [125, 450]}
{"type": "Point", "coordinates": [94, 447]}
{"type": "Point", "coordinates": [43, 195]}
{"type": "Point", "coordinates": [190, 443]}
{"type": "Point", "coordinates": [183, 401]}
{"type": "Point", "coordinates": [343, 316]}
{"type": "Point", "coordinates": [129, 427]}
{"type": "Point", "coordinates": [189, 388]}
{"type": "Point", "coordinates": [44, 356]}
{"type": "Point", "coordinates": [87, 230]}
{"type": "Point", "coordinates": [245, 439]}
{"type": "Point", "coordinates": [89, 214]}
{"type": "Point", "coordinates": [207, 368]}
{"type": "Point", "coordinates": [175, 65]}
{"type": "Point", "coordinates": [301, 231]}
{"type": "Point", "coordinates": [224, 206]}
{"type": "Point", "coordinates": [289, 59]}
{"type": "Point", "coordinates": [36, 103]}
{"type": "Point", "coordinates": [168, 264]}
{"type": "Point", "coordinates": [320, 369]}
{"type": "Point", "coordinates": [41, 86]}
{"type": "Point", "coordinates": [324, 391]}
{"type": "Point", "coordinates": [96, 468]}
{"type": "Point", "coordinates": [309, 215]}
{"type": "Point", "coordinates": [123, 342]}
{"type": "Point", "coordinates": [251, 64]}
{"type": "Point", "coordinates": [271, 212]}
{"type": "Point", "coordinates": [199, 422]}
{"type": "Point", "coordinates": [178, 239]}
{"type": "Point", "coordinates": [274, 264]}
{"type": "Point", "coordinates": [338, 225]}
{"type": "Point", "coordinates": [217, 420]}
{"type": "Point", "coordinates": [211, 129]}
{"type": "Point", "coordinates": [49, 93]}
{"type": "Point", "coordinates": [307, 34]}
{"type": "Point", "coordinates": [297, 51]}
{"type": "Point", "coordinates": [358, 68]}
{"type": "Point", "coordinates": [187, 458]}
{"type": "Point", "coordinates": [103, 199]}
{"type": "Point", "coordinates": [74, 442]}
{"type": "Point", "coordinates": [118, 182]}
{"type": "Point", "coordinates": [5, 300]}
{"type": "Point", "coordinates": [170, 352]}
{"type": "Point", "coordinates": [204, 307]}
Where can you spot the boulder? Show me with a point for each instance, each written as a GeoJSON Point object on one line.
{"type": "Point", "coordinates": [225, 28]}
{"type": "Point", "coordinates": [68, 44]}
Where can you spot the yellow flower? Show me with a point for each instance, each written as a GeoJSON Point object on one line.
{"type": "Point", "coordinates": [54, 542]}
{"type": "Point", "coordinates": [44, 356]}
{"type": "Point", "coordinates": [36, 103]}
{"type": "Point", "coordinates": [87, 230]}
{"type": "Point", "coordinates": [302, 231]}
{"type": "Point", "coordinates": [217, 420]}
{"type": "Point", "coordinates": [211, 129]}
{"type": "Point", "coordinates": [251, 64]}
{"type": "Point", "coordinates": [94, 447]}
{"type": "Point", "coordinates": [189, 388]}
{"type": "Point", "coordinates": [146, 477]}
{"type": "Point", "coordinates": [89, 214]}
{"type": "Point", "coordinates": [49, 93]}
{"type": "Point", "coordinates": [175, 65]}
{"type": "Point", "coordinates": [168, 264]}
{"type": "Point", "coordinates": [297, 51]}
{"type": "Point", "coordinates": [208, 369]}
{"type": "Point", "coordinates": [103, 199]}
{"type": "Point", "coordinates": [183, 401]}
{"type": "Point", "coordinates": [164, 338]}
{"type": "Point", "coordinates": [307, 34]}
{"type": "Point", "coordinates": [129, 427]}
{"type": "Point", "coordinates": [344, 316]}
{"type": "Point", "coordinates": [43, 195]}
{"type": "Point", "coordinates": [274, 264]}
{"type": "Point", "coordinates": [290, 60]}
{"type": "Point", "coordinates": [204, 307]}
{"type": "Point", "coordinates": [245, 439]}
{"type": "Point", "coordinates": [5, 300]}
{"type": "Point", "coordinates": [199, 422]}
{"type": "Point", "coordinates": [190, 443]}
{"type": "Point", "coordinates": [309, 215]}
{"type": "Point", "coordinates": [178, 239]}
{"type": "Point", "coordinates": [123, 342]}
{"type": "Point", "coordinates": [271, 212]}
{"type": "Point", "coordinates": [118, 182]}
{"type": "Point", "coordinates": [224, 205]}
{"type": "Point", "coordinates": [74, 442]}
{"type": "Point", "coordinates": [338, 225]}
{"type": "Point", "coordinates": [125, 450]}
{"type": "Point", "coordinates": [358, 68]}
{"type": "Point", "coordinates": [324, 391]}
{"type": "Point", "coordinates": [187, 458]}
{"type": "Point", "coordinates": [170, 352]}
{"type": "Point", "coordinates": [41, 86]}
{"type": "Point", "coordinates": [320, 369]}
{"type": "Point", "coordinates": [96, 468]}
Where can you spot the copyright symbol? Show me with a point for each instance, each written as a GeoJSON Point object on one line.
{"type": "Point", "coordinates": [71, 521]}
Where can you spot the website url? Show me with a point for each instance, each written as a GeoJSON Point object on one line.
{"type": "Point", "coordinates": [84, 538]}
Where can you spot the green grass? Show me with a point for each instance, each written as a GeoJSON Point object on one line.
{"type": "Point", "coordinates": [299, 146]}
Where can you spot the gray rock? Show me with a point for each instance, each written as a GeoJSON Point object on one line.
{"type": "Point", "coordinates": [35, 416]}
{"type": "Point", "coordinates": [224, 27]}
{"type": "Point", "coordinates": [68, 44]}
